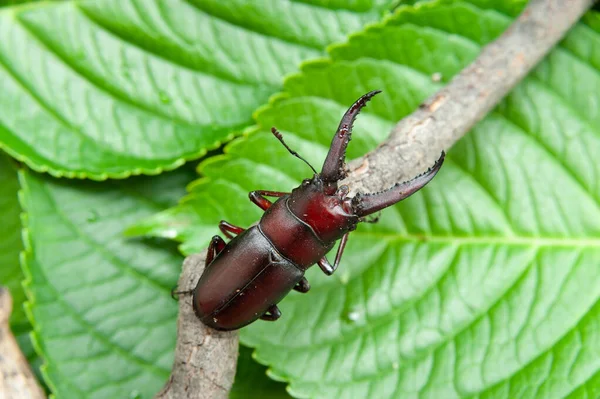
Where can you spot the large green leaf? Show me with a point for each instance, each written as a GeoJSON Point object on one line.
{"type": "Point", "coordinates": [118, 87]}
{"type": "Point", "coordinates": [486, 284]}
{"type": "Point", "coordinates": [100, 305]}
{"type": "Point", "coordinates": [113, 276]}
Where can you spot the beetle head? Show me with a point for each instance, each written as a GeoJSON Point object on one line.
{"type": "Point", "coordinates": [334, 170]}
{"type": "Point", "coordinates": [324, 206]}
{"type": "Point", "coordinates": [330, 216]}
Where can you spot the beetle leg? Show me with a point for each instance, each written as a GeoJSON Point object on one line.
{"type": "Point", "coordinates": [175, 294]}
{"type": "Point", "coordinates": [272, 314]}
{"type": "Point", "coordinates": [228, 228]}
{"type": "Point", "coordinates": [324, 263]}
{"type": "Point", "coordinates": [374, 219]}
{"type": "Point", "coordinates": [217, 244]}
{"type": "Point", "coordinates": [258, 198]}
{"type": "Point", "coordinates": [325, 266]}
{"type": "Point", "coordinates": [303, 285]}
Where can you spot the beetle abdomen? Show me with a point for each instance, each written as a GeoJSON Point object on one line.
{"type": "Point", "coordinates": [243, 281]}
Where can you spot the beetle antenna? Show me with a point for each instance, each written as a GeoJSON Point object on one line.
{"type": "Point", "coordinates": [279, 136]}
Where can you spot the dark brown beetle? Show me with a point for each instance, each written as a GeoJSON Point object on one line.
{"type": "Point", "coordinates": [245, 279]}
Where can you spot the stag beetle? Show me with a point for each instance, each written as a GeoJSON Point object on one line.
{"type": "Point", "coordinates": [246, 278]}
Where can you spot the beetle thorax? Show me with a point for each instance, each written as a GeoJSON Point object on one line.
{"type": "Point", "coordinates": [330, 216]}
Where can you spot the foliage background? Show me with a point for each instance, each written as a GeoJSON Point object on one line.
{"type": "Point", "coordinates": [484, 284]}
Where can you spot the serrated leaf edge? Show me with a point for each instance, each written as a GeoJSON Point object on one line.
{"type": "Point", "coordinates": [61, 173]}
{"type": "Point", "coordinates": [24, 257]}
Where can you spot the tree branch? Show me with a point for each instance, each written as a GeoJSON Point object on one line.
{"type": "Point", "coordinates": [417, 140]}
{"type": "Point", "coordinates": [205, 359]}
{"type": "Point", "coordinates": [16, 379]}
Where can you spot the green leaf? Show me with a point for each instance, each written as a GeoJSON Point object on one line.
{"type": "Point", "coordinates": [483, 285]}
{"type": "Point", "coordinates": [103, 317]}
{"type": "Point", "coordinates": [251, 381]}
{"type": "Point", "coordinates": [121, 87]}
{"type": "Point", "coordinates": [10, 242]}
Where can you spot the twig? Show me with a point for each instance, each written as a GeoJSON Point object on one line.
{"type": "Point", "coordinates": [417, 140]}
{"type": "Point", "coordinates": [16, 379]}
{"type": "Point", "coordinates": [205, 360]}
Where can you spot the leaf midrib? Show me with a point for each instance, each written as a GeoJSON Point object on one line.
{"type": "Point", "coordinates": [528, 241]}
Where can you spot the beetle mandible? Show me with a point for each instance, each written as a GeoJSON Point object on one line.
{"type": "Point", "coordinates": [246, 278]}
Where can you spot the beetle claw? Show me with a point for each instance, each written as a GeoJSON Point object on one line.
{"type": "Point", "coordinates": [326, 266]}
{"type": "Point", "coordinates": [373, 219]}
{"type": "Point", "coordinates": [303, 285]}
{"type": "Point", "coordinates": [272, 314]}
{"type": "Point", "coordinates": [175, 294]}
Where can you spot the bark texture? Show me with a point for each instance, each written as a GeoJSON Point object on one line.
{"type": "Point", "coordinates": [205, 359]}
